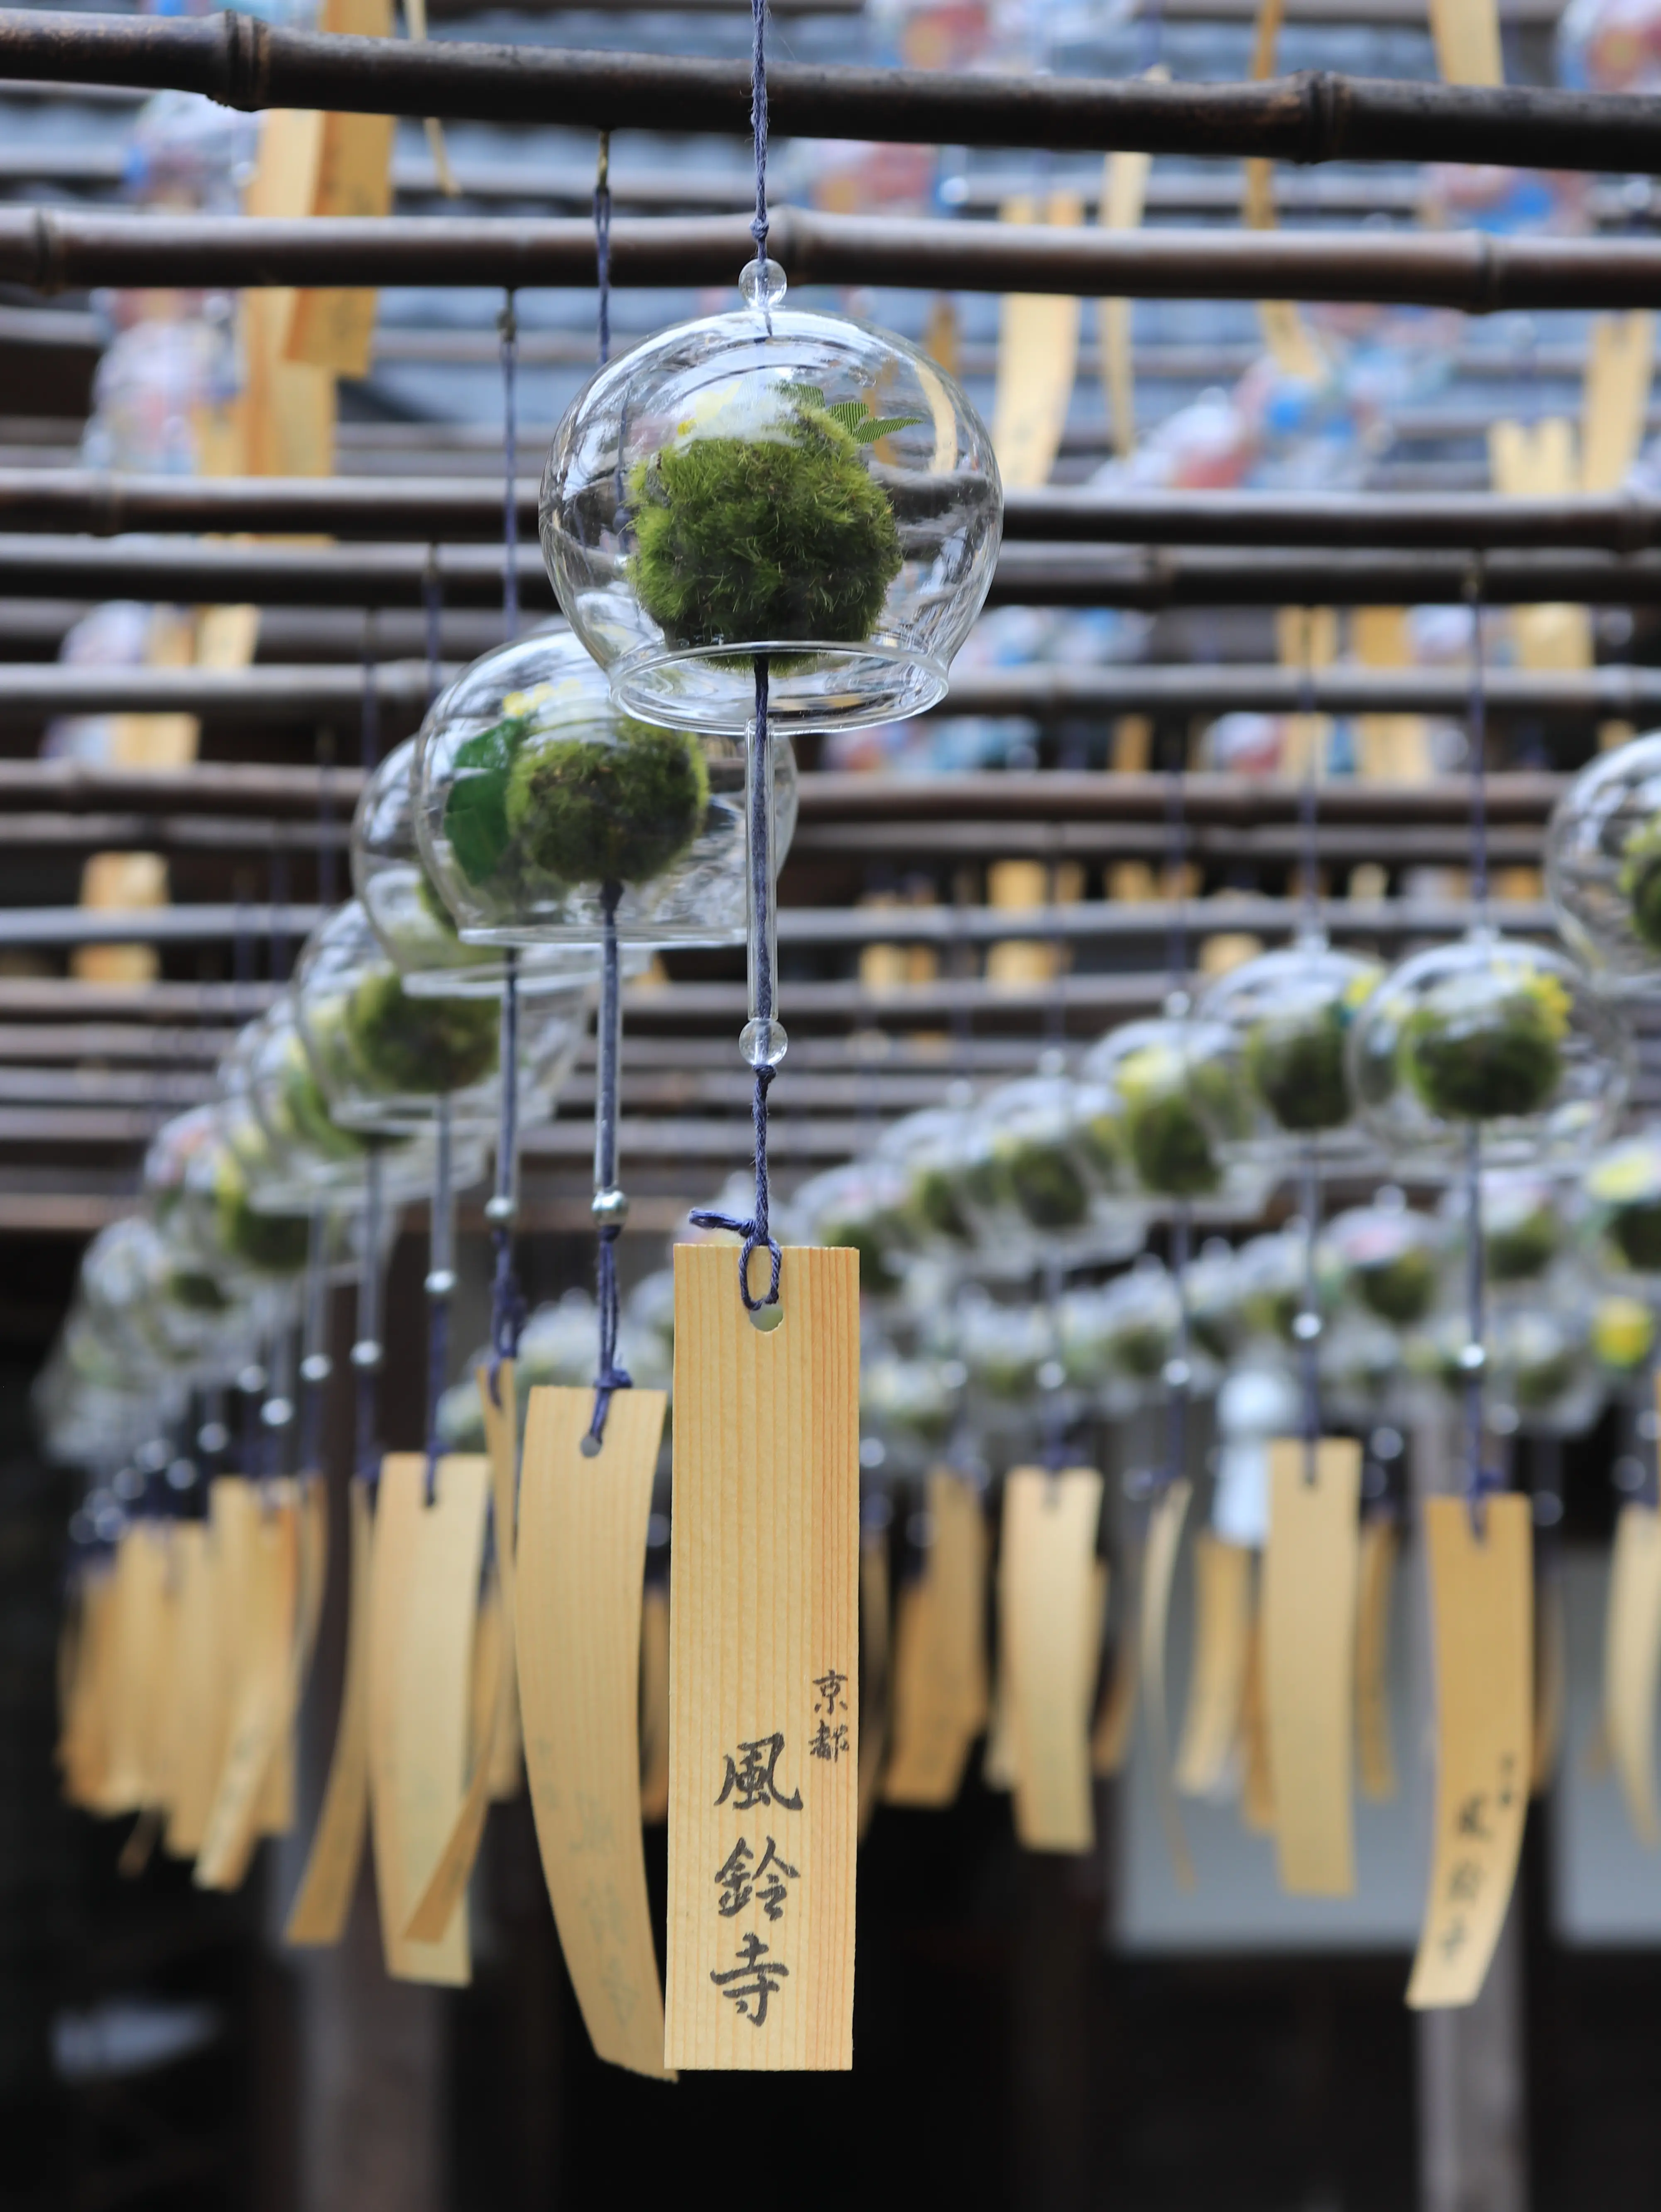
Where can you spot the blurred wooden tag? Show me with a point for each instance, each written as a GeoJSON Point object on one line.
{"type": "Point", "coordinates": [1466, 34]}
{"type": "Point", "coordinates": [263, 1689]}
{"type": "Point", "coordinates": [1124, 194]}
{"type": "Point", "coordinates": [197, 1689]}
{"type": "Point", "coordinates": [940, 1655]}
{"type": "Point", "coordinates": [350, 175]}
{"type": "Point", "coordinates": [274, 1813]}
{"type": "Point", "coordinates": [1632, 1655]}
{"type": "Point", "coordinates": [1037, 359]}
{"type": "Point", "coordinates": [1115, 1713]}
{"type": "Point", "coordinates": [1222, 1632]}
{"type": "Point", "coordinates": [763, 1676]}
{"type": "Point", "coordinates": [501, 1444]}
{"type": "Point", "coordinates": [654, 1703]}
{"type": "Point", "coordinates": [1164, 1535]}
{"type": "Point", "coordinates": [1482, 1591]}
{"type": "Point", "coordinates": [875, 1720]}
{"type": "Point", "coordinates": [323, 1899]}
{"type": "Point", "coordinates": [998, 1759]}
{"type": "Point", "coordinates": [1256, 1783]}
{"type": "Point", "coordinates": [1049, 1524]}
{"type": "Point", "coordinates": [140, 1575]}
{"type": "Point", "coordinates": [423, 1594]}
{"type": "Point", "coordinates": [86, 1735]}
{"type": "Point", "coordinates": [1285, 332]}
{"type": "Point", "coordinates": [1615, 398]}
{"type": "Point", "coordinates": [1551, 1661]}
{"type": "Point", "coordinates": [582, 1558]}
{"type": "Point", "coordinates": [487, 1677]}
{"type": "Point", "coordinates": [1375, 1752]}
{"type": "Point", "coordinates": [1310, 1566]}
{"type": "Point", "coordinates": [160, 1741]}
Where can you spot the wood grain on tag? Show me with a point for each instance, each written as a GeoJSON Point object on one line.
{"type": "Point", "coordinates": [940, 1654]}
{"type": "Point", "coordinates": [351, 176]}
{"type": "Point", "coordinates": [1222, 1634]}
{"type": "Point", "coordinates": [197, 1687]}
{"type": "Point", "coordinates": [423, 1594]}
{"type": "Point", "coordinates": [1310, 1566]}
{"type": "Point", "coordinates": [323, 1899]}
{"type": "Point", "coordinates": [1481, 1594]}
{"type": "Point", "coordinates": [1375, 1751]}
{"type": "Point", "coordinates": [274, 1813]}
{"type": "Point", "coordinates": [1037, 358]}
{"type": "Point", "coordinates": [654, 1703]}
{"type": "Point", "coordinates": [1049, 1539]}
{"type": "Point", "coordinates": [875, 1671]}
{"type": "Point", "coordinates": [502, 1446]}
{"type": "Point", "coordinates": [581, 1557]}
{"type": "Point", "coordinates": [487, 1718]}
{"type": "Point", "coordinates": [1164, 1535]}
{"type": "Point", "coordinates": [764, 1688]}
{"type": "Point", "coordinates": [264, 1687]}
{"type": "Point", "coordinates": [1631, 1656]}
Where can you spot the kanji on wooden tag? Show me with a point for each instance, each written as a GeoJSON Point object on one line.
{"type": "Point", "coordinates": [764, 1705]}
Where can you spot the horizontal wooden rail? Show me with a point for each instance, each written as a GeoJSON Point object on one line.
{"type": "Point", "coordinates": [54, 249]}
{"type": "Point", "coordinates": [1318, 117]}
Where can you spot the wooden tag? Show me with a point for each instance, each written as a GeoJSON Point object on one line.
{"type": "Point", "coordinates": [1037, 358]}
{"type": "Point", "coordinates": [85, 1735]}
{"type": "Point", "coordinates": [654, 1703]}
{"type": "Point", "coordinates": [939, 1657]}
{"type": "Point", "coordinates": [263, 1687]}
{"type": "Point", "coordinates": [323, 1899]}
{"type": "Point", "coordinates": [1375, 1752]}
{"type": "Point", "coordinates": [423, 1594]}
{"type": "Point", "coordinates": [1309, 1660]}
{"type": "Point", "coordinates": [141, 1572]}
{"type": "Point", "coordinates": [1631, 1656]}
{"type": "Point", "coordinates": [501, 1447]}
{"type": "Point", "coordinates": [1222, 1633]}
{"type": "Point", "coordinates": [1049, 1524]}
{"type": "Point", "coordinates": [1482, 1590]}
{"type": "Point", "coordinates": [274, 1813]}
{"type": "Point", "coordinates": [1285, 334]}
{"type": "Point", "coordinates": [160, 1740]}
{"type": "Point", "coordinates": [581, 1553]}
{"type": "Point", "coordinates": [764, 1688]}
{"type": "Point", "coordinates": [446, 1886]}
{"type": "Point", "coordinates": [199, 1691]}
{"type": "Point", "coordinates": [1615, 398]}
{"type": "Point", "coordinates": [1256, 1783]}
{"type": "Point", "coordinates": [874, 1638]}
{"type": "Point", "coordinates": [1124, 195]}
{"type": "Point", "coordinates": [1466, 35]}
{"type": "Point", "coordinates": [1164, 1535]}
{"type": "Point", "coordinates": [1551, 1667]}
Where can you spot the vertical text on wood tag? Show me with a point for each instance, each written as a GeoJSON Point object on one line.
{"type": "Point", "coordinates": [1310, 1568]}
{"type": "Point", "coordinates": [763, 1683]}
{"type": "Point", "coordinates": [1482, 1592]}
{"type": "Point", "coordinates": [581, 1561]}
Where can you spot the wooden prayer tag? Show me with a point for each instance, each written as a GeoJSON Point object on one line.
{"type": "Point", "coordinates": [325, 1897]}
{"type": "Point", "coordinates": [939, 1657]}
{"type": "Point", "coordinates": [581, 1557]}
{"type": "Point", "coordinates": [1482, 1591]}
{"type": "Point", "coordinates": [198, 1687]}
{"type": "Point", "coordinates": [265, 1632]}
{"type": "Point", "coordinates": [1631, 1654]}
{"type": "Point", "coordinates": [501, 1444]}
{"type": "Point", "coordinates": [424, 1594]}
{"type": "Point", "coordinates": [1308, 1659]}
{"type": "Point", "coordinates": [874, 1672]}
{"type": "Point", "coordinates": [1375, 1754]}
{"type": "Point", "coordinates": [764, 1688]}
{"type": "Point", "coordinates": [1049, 1524]}
{"type": "Point", "coordinates": [1222, 1636]}
{"type": "Point", "coordinates": [1164, 1535]}
{"type": "Point", "coordinates": [654, 1703]}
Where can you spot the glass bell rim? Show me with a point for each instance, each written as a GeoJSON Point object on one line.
{"type": "Point", "coordinates": [488, 979]}
{"type": "Point", "coordinates": [926, 684]}
{"type": "Point", "coordinates": [637, 937]}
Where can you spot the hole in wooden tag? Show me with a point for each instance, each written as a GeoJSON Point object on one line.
{"type": "Point", "coordinates": [765, 1318]}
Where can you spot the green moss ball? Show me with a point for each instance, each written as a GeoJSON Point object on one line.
{"type": "Point", "coordinates": [878, 1272]}
{"type": "Point", "coordinates": [1169, 1147]}
{"type": "Point", "coordinates": [934, 1205]}
{"type": "Point", "coordinates": [309, 1115]}
{"type": "Point", "coordinates": [1295, 1064]}
{"type": "Point", "coordinates": [1048, 1186]}
{"type": "Point", "coordinates": [195, 1290]}
{"type": "Point", "coordinates": [589, 812]}
{"type": "Point", "coordinates": [421, 1045]}
{"type": "Point", "coordinates": [269, 1243]}
{"type": "Point", "coordinates": [1523, 1248]}
{"type": "Point", "coordinates": [783, 537]}
{"type": "Point", "coordinates": [1487, 1061]}
{"type": "Point", "coordinates": [1399, 1290]}
{"type": "Point", "coordinates": [1635, 1232]}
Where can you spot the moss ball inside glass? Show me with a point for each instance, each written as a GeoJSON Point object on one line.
{"type": "Point", "coordinates": [267, 1243]}
{"type": "Point", "coordinates": [596, 810]}
{"type": "Point", "coordinates": [1476, 1051]}
{"type": "Point", "coordinates": [1640, 884]}
{"type": "Point", "coordinates": [421, 1045]}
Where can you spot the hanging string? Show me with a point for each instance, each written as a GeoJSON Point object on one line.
{"type": "Point", "coordinates": [315, 1365]}
{"type": "Point", "coordinates": [602, 243]}
{"type": "Point", "coordinates": [762, 1037]}
{"type": "Point", "coordinates": [440, 1284]}
{"type": "Point", "coordinates": [611, 1206]}
{"type": "Point", "coordinates": [1179, 1370]}
{"type": "Point", "coordinates": [1306, 1326]}
{"type": "Point", "coordinates": [508, 325]}
{"type": "Point", "coordinates": [366, 1350]}
{"type": "Point", "coordinates": [1473, 1359]}
{"type": "Point", "coordinates": [760, 227]}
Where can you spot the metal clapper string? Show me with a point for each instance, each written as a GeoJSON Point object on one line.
{"type": "Point", "coordinates": [763, 1041]}
{"type": "Point", "coordinates": [1474, 1358]}
{"type": "Point", "coordinates": [1306, 1326]}
{"type": "Point", "coordinates": [501, 1207]}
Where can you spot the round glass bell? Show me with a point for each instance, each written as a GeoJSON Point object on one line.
{"type": "Point", "coordinates": [929, 1150]}
{"type": "Point", "coordinates": [1492, 1034]}
{"type": "Point", "coordinates": [318, 1160]}
{"type": "Point", "coordinates": [1139, 1319]}
{"type": "Point", "coordinates": [1622, 1190]}
{"type": "Point", "coordinates": [912, 1406]}
{"type": "Point", "coordinates": [1603, 865]}
{"type": "Point", "coordinates": [1384, 1261]}
{"type": "Point", "coordinates": [1167, 1094]}
{"type": "Point", "coordinates": [385, 1059]}
{"type": "Point", "coordinates": [535, 793]}
{"type": "Point", "coordinates": [860, 1206]}
{"type": "Point", "coordinates": [1004, 1349]}
{"type": "Point", "coordinates": [412, 921]}
{"type": "Point", "coordinates": [1525, 1224]}
{"type": "Point", "coordinates": [771, 481]}
{"type": "Point", "coordinates": [1289, 1013]}
{"type": "Point", "coordinates": [1033, 1182]}
{"type": "Point", "coordinates": [226, 1225]}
